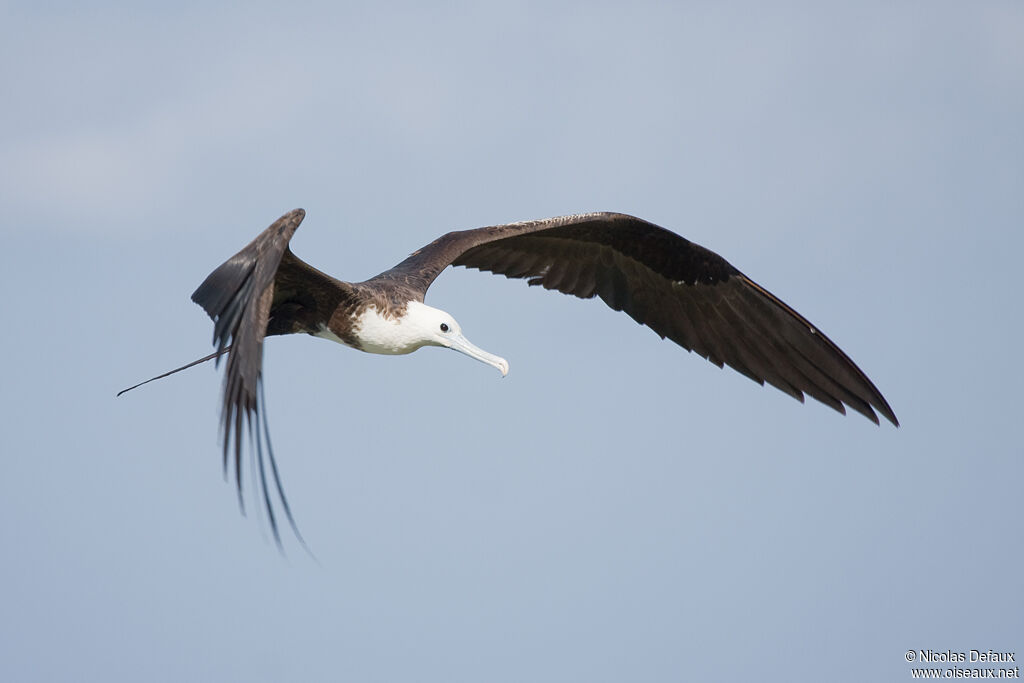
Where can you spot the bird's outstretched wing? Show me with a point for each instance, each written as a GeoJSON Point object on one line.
{"type": "Point", "coordinates": [238, 296]}
{"type": "Point", "coordinates": [677, 288]}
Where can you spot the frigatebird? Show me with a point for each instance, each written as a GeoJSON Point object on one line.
{"type": "Point", "coordinates": [677, 288]}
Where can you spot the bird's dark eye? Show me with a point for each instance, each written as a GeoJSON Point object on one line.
{"type": "Point", "coordinates": [444, 327]}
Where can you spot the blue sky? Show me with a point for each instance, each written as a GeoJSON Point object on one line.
{"type": "Point", "coordinates": [614, 509]}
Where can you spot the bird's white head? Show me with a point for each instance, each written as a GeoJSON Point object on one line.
{"type": "Point", "coordinates": [421, 325]}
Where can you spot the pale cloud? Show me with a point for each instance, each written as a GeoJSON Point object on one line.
{"type": "Point", "coordinates": [105, 147]}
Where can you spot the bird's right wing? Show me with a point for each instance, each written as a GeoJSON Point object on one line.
{"type": "Point", "coordinates": [238, 296]}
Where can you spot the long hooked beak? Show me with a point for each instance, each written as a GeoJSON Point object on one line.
{"type": "Point", "coordinates": [463, 345]}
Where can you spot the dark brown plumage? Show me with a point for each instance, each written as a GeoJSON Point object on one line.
{"type": "Point", "coordinates": [679, 289]}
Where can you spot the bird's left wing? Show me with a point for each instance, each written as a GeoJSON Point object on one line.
{"type": "Point", "coordinates": [677, 288]}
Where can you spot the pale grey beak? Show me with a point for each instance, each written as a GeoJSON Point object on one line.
{"type": "Point", "coordinates": [463, 345]}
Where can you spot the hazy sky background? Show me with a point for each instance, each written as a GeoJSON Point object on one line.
{"type": "Point", "coordinates": [616, 509]}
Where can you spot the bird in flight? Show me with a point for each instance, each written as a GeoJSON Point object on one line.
{"type": "Point", "coordinates": [677, 288]}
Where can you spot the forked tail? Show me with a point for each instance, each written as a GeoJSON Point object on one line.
{"type": "Point", "coordinates": [213, 355]}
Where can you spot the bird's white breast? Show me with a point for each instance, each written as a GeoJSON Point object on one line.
{"type": "Point", "coordinates": [377, 333]}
